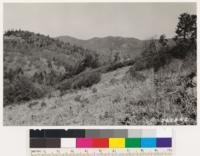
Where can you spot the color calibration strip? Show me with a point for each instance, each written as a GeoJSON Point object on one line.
{"type": "Point", "coordinates": [79, 138]}
{"type": "Point", "coordinates": [101, 143]}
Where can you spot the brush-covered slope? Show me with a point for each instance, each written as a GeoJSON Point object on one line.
{"type": "Point", "coordinates": [122, 97]}
{"type": "Point", "coordinates": [39, 62]}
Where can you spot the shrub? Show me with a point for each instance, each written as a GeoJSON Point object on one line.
{"type": "Point", "coordinates": [140, 64]}
{"type": "Point", "coordinates": [113, 81]}
{"type": "Point", "coordinates": [43, 104]}
{"type": "Point", "coordinates": [65, 85]}
{"type": "Point", "coordinates": [133, 74]}
{"type": "Point", "coordinates": [32, 104]}
{"type": "Point", "coordinates": [182, 50]}
{"type": "Point", "coordinates": [117, 65]}
{"type": "Point", "coordinates": [155, 55]}
{"type": "Point", "coordinates": [21, 89]}
{"type": "Point", "coordinates": [117, 99]}
{"type": "Point", "coordinates": [91, 60]}
{"type": "Point", "coordinates": [86, 80]}
{"type": "Point", "coordinates": [77, 98]}
{"type": "Point", "coordinates": [94, 90]}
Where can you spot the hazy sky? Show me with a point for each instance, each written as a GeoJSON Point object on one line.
{"type": "Point", "coordinates": [87, 20]}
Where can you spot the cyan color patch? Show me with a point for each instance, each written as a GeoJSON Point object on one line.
{"type": "Point", "coordinates": [148, 142]}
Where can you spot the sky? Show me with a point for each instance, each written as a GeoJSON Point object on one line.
{"type": "Point", "coordinates": [88, 20]}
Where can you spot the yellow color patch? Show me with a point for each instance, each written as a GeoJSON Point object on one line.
{"type": "Point", "coordinates": [116, 142]}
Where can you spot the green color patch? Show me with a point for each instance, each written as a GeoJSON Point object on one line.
{"type": "Point", "coordinates": [133, 142]}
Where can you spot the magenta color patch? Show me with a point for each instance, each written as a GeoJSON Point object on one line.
{"type": "Point", "coordinates": [83, 143]}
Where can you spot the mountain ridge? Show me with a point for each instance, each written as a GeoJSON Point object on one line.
{"type": "Point", "coordinates": [95, 37]}
{"type": "Point", "coordinates": [109, 46]}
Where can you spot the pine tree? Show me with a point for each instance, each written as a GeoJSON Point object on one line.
{"type": "Point", "coordinates": [186, 28]}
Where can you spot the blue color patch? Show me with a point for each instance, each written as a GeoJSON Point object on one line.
{"type": "Point", "coordinates": [148, 142]}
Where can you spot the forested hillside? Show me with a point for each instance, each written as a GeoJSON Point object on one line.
{"type": "Point", "coordinates": [34, 63]}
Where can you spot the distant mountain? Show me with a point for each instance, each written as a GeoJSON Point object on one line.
{"type": "Point", "coordinates": [71, 40]}
{"type": "Point", "coordinates": [108, 46]}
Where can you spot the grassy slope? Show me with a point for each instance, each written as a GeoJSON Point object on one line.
{"type": "Point", "coordinates": [116, 99]}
